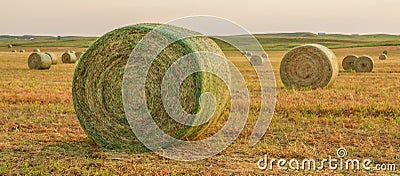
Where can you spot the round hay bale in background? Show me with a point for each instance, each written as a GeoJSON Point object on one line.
{"type": "Point", "coordinates": [386, 52]}
{"type": "Point", "coordinates": [249, 54]}
{"type": "Point", "coordinates": [10, 46]}
{"type": "Point", "coordinates": [39, 61]}
{"type": "Point", "coordinates": [36, 50]}
{"type": "Point", "coordinates": [309, 66]}
{"type": "Point", "coordinates": [348, 62]}
{"type": "Point", "coordinates": [68, 58]}
{"type": "Point", "coordinates": [70, 51]}
{"type": "Point", "coordinates": [97, 87]}
{"type": "Point", "coordinates": [264, 55]}
{"type": "Point", "coordinates": [78, 55]}
{"type": "Point", "coordinates": [256, 60]}
{"type": "Point", "coordinates": [364, 64]}
{"type": "Point", "coordinates": [14, 51]}
{"type": "Point", "coordinates": [383, 57]}
{"type": "Point", "coordinates": [22, 51]}
{"type": "Point", "coordinates": [53, 57]}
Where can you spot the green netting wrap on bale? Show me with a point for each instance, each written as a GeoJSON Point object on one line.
{"type": "Point", "coordinates": [256, 60]}
{"type": "Point", "coordinates": [54, 58]}
{"type": "Point", "coordinates": [68, 58]}
{"type": "Point", "coordinates": [348, 62]}
{"type": "Point", "coordinates": [364, 64]}
{"type": "Point", "coordinates": [309, 66]}
{"type": "Point", "coordinates": [383, 57]}
{"type": "Point", "coordinates": [78, 55]}
{"type": "Point", "coordinates": [97, 87]}
{"type": "Point", "coordinates": [39, 61]}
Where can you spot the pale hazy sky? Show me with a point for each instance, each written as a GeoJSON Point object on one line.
{"type": "Point", "coordinates": [96, 17]}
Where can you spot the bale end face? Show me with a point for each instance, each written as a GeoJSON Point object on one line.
{"type": "Point", "coordinates": [309, 66]}
{"type": "Point", "coordinates": [383, 57]}
{"type": "Point", "coordinates": [348, 62]}
{"type": "Point", "coordinates": [256, 60]}
{"type": "Point", "coordinates": [364, 64]}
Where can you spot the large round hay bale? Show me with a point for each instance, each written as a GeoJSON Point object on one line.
{"type": "Point", "coordinates": [78, 55]}
{"type": "Point", "coordinates": [386, 52]}
{"type": "Point", "coordinates": [264, 55]}
{"type": "Point", "coordinates": [68, 58]}
{"type": "Point", "coordinates": [54, 58]}
{"type": "Point", "coordinates": [10, 46]}
{"type": "Point", "coordinates": [309, 66]}
{"type": "Point", "coordinates": [36, 50]}
{"type": "Point", "coordinates": [14, 51]}
{"type": "Point", "coordinates": [383, 57]}
{"type": "Point", "coordinates": [256, 60]}
{"type": "Point", "coordinates": [364, 64]}
{"type": "Point", "coordinates": [97, 87]}
{"type": "Point", "coordinates": [39, 61]}
{"type": "Point", "coordinates": [22, 51]}
{"type": "Point", "coordinates": [348, 62]}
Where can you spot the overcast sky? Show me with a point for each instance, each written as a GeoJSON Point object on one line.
{"type": "Point", "coordinates": [96, 17]}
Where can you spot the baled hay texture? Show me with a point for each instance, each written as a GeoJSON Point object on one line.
{"type": "Point", "coordinates": [54, 58]}
{"type": "Point", "coordinates": [386, 52]}
{"type": "Point", "coordinates": [10, 46]}
{"type": "Point", "coordinates": [68, 58]}
{"type": "Point", "coordinates": [36, 50]}
{"type": "Point", "coordinates": [39, 61]}
{"type": "Point", "coordinates": [256, 60]}
{"type": "Point", "coordinates": [97, 87]}
{"type": "Point", "coordinates": [364, 64]}
{"type": "Point", "coordinates": [249, 54]}
{"type": "Point", "coordinates": [78, 55]}
{"type": "Point", "coordinates": [14, 51]}
{"type": "Point", "coordinates": [383, 57]}
{"type": "Point", "coordinates": [22, 51]}
{"type": "Point", "coordinates": [309, 66]}
{"type": "Point", "coordinates": [264, 55]}
{"type": "Point", "coordinates": [348, 62]}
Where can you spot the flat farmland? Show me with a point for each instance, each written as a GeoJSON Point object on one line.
{"type": "Point", "coordinates": [40, 133]}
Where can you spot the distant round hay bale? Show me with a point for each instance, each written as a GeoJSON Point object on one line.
{"type": "Point", "coordinates": [22, 51]}
{"type": "Point", "coordinates": [54, 58]}
{"type": "Point", "coordinates": [386, 52]}
{"type": "Point", "coordinates": [36, 50]}
{"type": "Point", "coordinates": [10, 46]}
{"type": "Point", "coordinates": [309, 66]}
{"type": "Point", "coordinates": [97, 87]}
{"type": "Point", "coordinates": [264, 55]}
{"type": "Point", "coordinates": [348, 62]}
{"type": "Point", "coordinates": [249, 54]}
{"type": "Point", "coordinates": [39, 61]}
{"type": "Point", "coordinates": [256, 60]}
{"type": "Point", "coordinates": [383, 57]}
{"type": "Point", "coordinates": [68, 58]}
{"type": "Point", "coordinates": [70, 51]}
{"type": "Point", "coordinates": [14, 51]}
{"type": "Point", "coordinates": [78, 55]}
{"type": "Point", "coordinates": [364, 64]}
